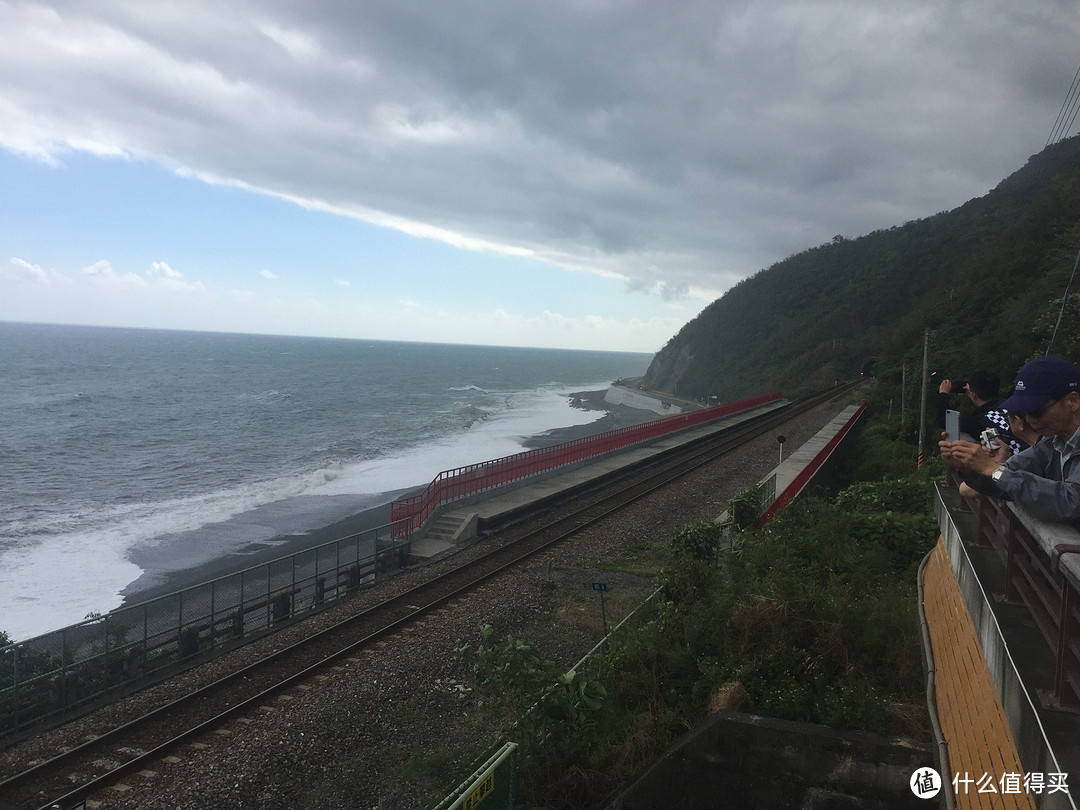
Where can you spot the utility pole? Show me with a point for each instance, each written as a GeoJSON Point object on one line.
{"type": "Point", "coordinates": [903, 393]}
{"type": "Point", "coordinates": [925, 385]}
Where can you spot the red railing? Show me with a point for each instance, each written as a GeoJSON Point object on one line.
{"type": "Point", "coordinates": [807, 472]}
{"type": "Point", "coordinates": [450, 485]}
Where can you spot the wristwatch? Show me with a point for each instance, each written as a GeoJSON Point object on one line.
{"type": "Point", "coordinates": [996, 474]}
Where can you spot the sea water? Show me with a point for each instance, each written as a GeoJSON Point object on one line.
{"type": "Point", "coordinates": [115, 443]}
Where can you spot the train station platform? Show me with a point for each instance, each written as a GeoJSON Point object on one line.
{"type": "Point", "coordinates": [462, 521]}
{"type": "Point", "coordinates": [797, 472]}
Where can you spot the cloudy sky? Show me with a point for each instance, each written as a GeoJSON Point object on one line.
{"type": "Point", "coordinates": [565, 173]}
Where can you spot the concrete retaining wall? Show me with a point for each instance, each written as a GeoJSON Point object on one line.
{"type": "Point", "coordinates": [621, 395]}
{"type": "Point", "coordinates": [736, 760]}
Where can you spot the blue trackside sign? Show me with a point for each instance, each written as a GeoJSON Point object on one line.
{"type": "Point", "coordinates": [599, 586]}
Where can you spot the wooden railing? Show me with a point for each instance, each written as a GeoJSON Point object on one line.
{"type": "Point", "coordinates": [1042, 573]}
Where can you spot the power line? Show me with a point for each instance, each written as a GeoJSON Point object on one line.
{"type": "Point", "coordinates": [1067, 114]}
{"type": "Point", "coordinates": [1076, 108]}
{"type": "Point", "coordinates": [1063, 113]}
{"type": "Point", "coordinates": [1064, 303]}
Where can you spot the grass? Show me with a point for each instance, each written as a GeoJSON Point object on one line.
{"type": "Point", "coordinates": [583, 611]}
{"type": "Point", "coordinates": [643, 559]}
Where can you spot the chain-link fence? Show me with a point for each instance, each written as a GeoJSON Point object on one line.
{"type": "Point", "coordinates": [52, 675]}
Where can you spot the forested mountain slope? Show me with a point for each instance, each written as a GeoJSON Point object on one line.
{"type": "Point", "coordinates": [984, 277]}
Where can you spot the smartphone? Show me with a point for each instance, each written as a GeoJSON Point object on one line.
{"type": "Point", "coordinates": [952, 425]}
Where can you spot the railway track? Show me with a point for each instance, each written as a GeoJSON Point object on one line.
{"type": "Point", "coordinates": [67, 779]}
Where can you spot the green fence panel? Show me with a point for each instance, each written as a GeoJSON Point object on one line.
{"type": "Point", "coordinates": [490, 787]}
{"type": "Point", "coordinates": [51, 676]}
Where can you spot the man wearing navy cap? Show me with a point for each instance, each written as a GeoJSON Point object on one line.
{"type": "Point", "coordinates": [1045, 478]}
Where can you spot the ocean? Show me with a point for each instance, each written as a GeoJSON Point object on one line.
{"type": "Point", "coordinates": [123, 449]}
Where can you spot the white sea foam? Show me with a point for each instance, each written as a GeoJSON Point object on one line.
{"type": "Point", "coordinates": [58, 582]}
{"type": "Point", "coordinates": [80, 564]}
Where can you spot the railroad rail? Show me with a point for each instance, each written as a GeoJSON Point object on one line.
{"type": "Point", "coordinates": [132, 746]}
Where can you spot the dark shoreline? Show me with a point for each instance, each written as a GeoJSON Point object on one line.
{"type": "Point", "coordinates": [262, 552]}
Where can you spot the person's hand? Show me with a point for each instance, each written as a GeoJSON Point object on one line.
{"type": "Point", "coordinates": [968, 457]}
{"type": "Point", "coordinates": [945, 387]}
{"type": "Point", "coordinates": [1001, 453]}
{"type": "Point", "coordinates": [999, 450]}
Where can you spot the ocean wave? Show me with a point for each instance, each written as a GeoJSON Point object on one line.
{"type": "Point", "coordinates": [271, 395]}
{"type": "Point", "coordinates": [468, 388]}
{"type": "Point", "coordinates": [347, 467]}
{"type": "Point", "coordinates": [57, 399]}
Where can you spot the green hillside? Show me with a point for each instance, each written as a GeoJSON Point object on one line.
{"type": "Point", "coordinates": [987, 278]}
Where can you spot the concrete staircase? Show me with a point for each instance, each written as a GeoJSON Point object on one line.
{"type": "Point", "coordinates": [442, 533]}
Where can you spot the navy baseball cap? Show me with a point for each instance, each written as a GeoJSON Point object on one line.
{"type": "Point", "coordinates": [1040, 381]}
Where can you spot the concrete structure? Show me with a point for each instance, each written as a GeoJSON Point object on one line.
{"type": "Point", "coordinates": [973, 728]}
{"type": "Point", "coordinates": [740, 760]}
{"type": "Point", "coordinates": [644, 400]}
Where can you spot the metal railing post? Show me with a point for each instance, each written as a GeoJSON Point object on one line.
{"type": "Point", "coordinates": [16, 686]}
{"type": "Point", "coordinates": [145, 638]}
{"type": "Point", "coordinates": [63, 667]}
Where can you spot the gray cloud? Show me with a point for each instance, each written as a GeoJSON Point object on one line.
{"type": "Point", "coordinates": [677, 145]}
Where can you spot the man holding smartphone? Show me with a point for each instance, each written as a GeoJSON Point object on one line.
{"type": "Point", "coordinates": [982, 389]}
{"type": "Point", "coordinates": [1045, 478]}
